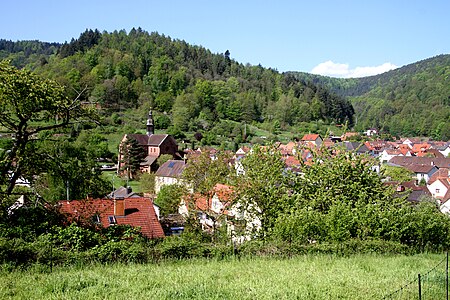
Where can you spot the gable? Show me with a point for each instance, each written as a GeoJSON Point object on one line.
{"type": "Point", "coordinates": [155, 140]}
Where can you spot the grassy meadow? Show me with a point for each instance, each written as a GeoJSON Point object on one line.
{"type": "Point", "coordinates": [301, 277]}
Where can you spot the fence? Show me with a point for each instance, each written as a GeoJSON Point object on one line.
{"type": "Point", "coordinates": [430, 285]}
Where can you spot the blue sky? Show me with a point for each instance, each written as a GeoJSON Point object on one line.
{"type": "Point", "coordinates": [343, 38]}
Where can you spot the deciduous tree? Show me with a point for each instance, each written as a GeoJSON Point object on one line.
{"type": "Point", "coordinates": [30, 106]}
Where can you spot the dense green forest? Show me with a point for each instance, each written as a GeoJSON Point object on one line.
{"type": "Point", "coordinates": [193, 89]}
{"type": "Point", "coordinates": [190, 88]}
{"type": "Point", "coordinates": [413, 100]}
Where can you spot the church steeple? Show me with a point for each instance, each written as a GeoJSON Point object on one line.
{"type": "Point", "coordinates": [150, 126]}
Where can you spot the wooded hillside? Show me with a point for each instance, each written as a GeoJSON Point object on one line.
{"type": "Point", "coordinates": [413, 100]}
{"type": "Point", "coordinates": [196, 88]}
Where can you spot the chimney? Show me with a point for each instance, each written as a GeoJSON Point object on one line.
{"type": "Point", "coordinates": [119, 207]}
{"type": "Point", "coordinates": [400, 188]}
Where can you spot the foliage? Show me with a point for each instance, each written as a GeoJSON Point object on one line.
{"type": "Point", "coordinates": [410, 101]}
{"type": "Point", "coordinates": [180, 247]}
{"type": "Point", "coordinates": [147, 182]}
{"type": "Point", "coordinates": [30, 107]}
{"type": "Point", "coordinates": [398, 174]}
{"type": "Point", "coordinates": [133, 154]}
{"type": "Point", "coordinates": [169, 198]}
{"type": "Point", "coordinates": [126, 70]}
{"type": "Point", "coordinates": [339, 198]}
{"type": "Point", "coordinates": [262, 187]}
{"type": "Point", "coordinates": [70, 168]}
{"type": "Point", "coordinates": [202, 173]}
{"type": "Point", "coordinates": [74, 237]}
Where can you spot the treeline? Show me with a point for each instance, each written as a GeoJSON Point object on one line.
{"type": "Point", "coordinates": [194, 86]}
{"type": "Point", "coordinates": [413, 100]}
{"type": "Point", "coordinates": [22, 53]}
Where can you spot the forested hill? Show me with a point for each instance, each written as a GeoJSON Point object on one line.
{"type": "Point", "coordinates": [412, 100]}
{"type": "Point", "coordinates": [192, 85]}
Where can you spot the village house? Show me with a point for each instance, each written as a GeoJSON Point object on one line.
{"type": "Point", "coordinates": [443, 148]}
{"type": "Point", "coordinates": [387, 154]}
{"type": "Point", "coordinates": [358, 148]}
{"type": "Point", "coordinates": [312, 140]}
{"type": "Point", "coordinates": [422, 173]}
{"type": "Point", "coordinates": [137, 212]}
{"type": "Point", "coordinates": [414, 160]}
{"type": "Point", "coordinates": [169, 173]}
{"type": "Point", "coordinates": [221, 208]}
{"type": "Point", "coordinates": [439, 187]}
{"type": "Point", "coordinates": [414, 193]}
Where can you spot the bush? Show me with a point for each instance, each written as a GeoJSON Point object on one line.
{"type": "Point", "coordinates": [16, 252]}
{"type": "Point", "coordinates": [76, 238]}
{"type": "Point", "coordinates": [121, 251]}
{"type": "Point", "coordinates": [180, 247]}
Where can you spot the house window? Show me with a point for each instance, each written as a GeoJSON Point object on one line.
{"type": "Point", "coordinates": [96, 219]}
{"type": "Point", "coordinates": [112, 220]}
{"type": "Point", "coordinates": [438, 191]}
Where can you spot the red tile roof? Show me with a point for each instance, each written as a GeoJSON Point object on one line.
{"type": "Point", "coordinates": [291, 161]}
{"type": "Point", "coordinates": [310, 137]}
{"type": "Point", "coordinates": [225, 193]}
{"type": "Point", "coordinates": [442, 173]}
{"type": "Point", "coordinates": [139, 212]}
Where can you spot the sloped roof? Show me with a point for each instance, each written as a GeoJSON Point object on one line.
{"type": "Point", "coordinates": [142, 139]}
{"type": "Point", "coordinates": [420, 168]}
{"type": "Point", "coordinates": [355, 146]}
{"type": "Point", "coordinates": [430, 152]}
{"type": "Point", "coordinates": [414, 160]}
{"type": "Point", "coordinates": [442, 173]}
{"type": "Point", "coordinates": [171, 168]}
{"type": "Point", "coordinates": [224, 192]}
{"type": "Point", "coordinates": [420, 147]}
{"type": "Point", "coordinates": [446, 197]}
{"type": "Point", "coordinates": [139, 212]}
{"type": "Point", "coordinates": [156, 139]}
{"type": "Point", "coordinates": [310, 137]}
{"type": "Point", "coordinates": [149, 160]}
{"type": "Point", "coordinates": [122, 192]}
{"type": "Point", "coordinates": [148, 140]}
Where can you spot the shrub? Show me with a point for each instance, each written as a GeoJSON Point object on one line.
{"type": "Point", "coordinates": [16, 251]}
{"type": "Point", "coordinates": [76, 238]}
{"type": "Point", "coordinates": [121, 251]}
{"type": "Point", "coordinates": [180, 247]}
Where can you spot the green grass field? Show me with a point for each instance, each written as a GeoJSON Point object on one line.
{"type": "Point", "coordinates": [302, 277]}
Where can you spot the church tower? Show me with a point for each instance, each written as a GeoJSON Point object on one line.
{"type": "Point", "coordinates": [150, 126]}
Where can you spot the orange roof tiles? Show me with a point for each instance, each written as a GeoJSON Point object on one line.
{"type": "Point", "coordinates": [310, 137]}
{"type": "Point", "coordinates": [139, 212]}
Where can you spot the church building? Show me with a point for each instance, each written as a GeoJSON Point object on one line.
{"type": "Point", "coordinates": [153, 145]}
